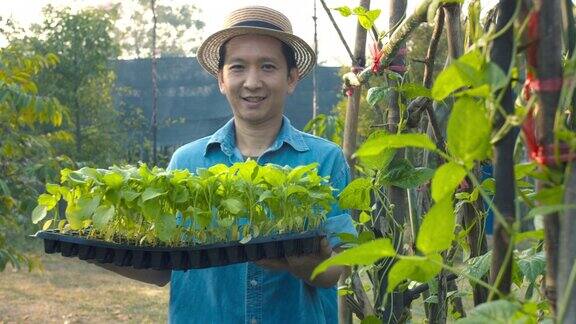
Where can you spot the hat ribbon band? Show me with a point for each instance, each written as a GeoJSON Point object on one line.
{"type": "Point", "coordinates": [257, 23]}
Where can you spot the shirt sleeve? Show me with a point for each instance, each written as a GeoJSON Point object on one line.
{"type": "Point", "coordinates": [338, 220]}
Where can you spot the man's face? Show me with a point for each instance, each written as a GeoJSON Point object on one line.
{"type": "Point", "coordinates": [255, 78]}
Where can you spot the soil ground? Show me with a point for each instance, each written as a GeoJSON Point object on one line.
{"type": "Point", "coordinates": [72, 291]}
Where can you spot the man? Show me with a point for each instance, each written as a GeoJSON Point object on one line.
{"type": "Point", "coordinates": [258, 62]}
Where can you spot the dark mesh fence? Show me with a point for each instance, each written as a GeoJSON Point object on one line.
{"type": "Point", "coordinates": [190, 98]}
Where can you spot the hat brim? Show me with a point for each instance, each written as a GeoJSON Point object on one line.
{"type": "Point", "coordinates": [209, 52]}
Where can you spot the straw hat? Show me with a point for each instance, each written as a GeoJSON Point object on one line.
{"type": "Point", "coordinates": [256, 20]}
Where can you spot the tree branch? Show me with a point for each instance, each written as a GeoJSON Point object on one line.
{"type": "Point", "coordinates": [354, 63]}
{"type": "Point", "coordinates": [393, 45]}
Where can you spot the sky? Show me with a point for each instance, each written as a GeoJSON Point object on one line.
{"type": "Point", "coordinates": [331, 52]}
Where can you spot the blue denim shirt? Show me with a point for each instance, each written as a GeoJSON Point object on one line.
{"type": "Point", "coordinates": [247, 293]}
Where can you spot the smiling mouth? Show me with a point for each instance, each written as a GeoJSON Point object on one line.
{"type": "Point", "coordinates": [253, 99]}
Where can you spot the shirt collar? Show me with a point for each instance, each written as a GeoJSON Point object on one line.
{"type": "Point", "coordinates": [226, 137]}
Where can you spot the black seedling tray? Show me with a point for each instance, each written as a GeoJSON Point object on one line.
{"type": "Point", "coordinates": [181, 258]}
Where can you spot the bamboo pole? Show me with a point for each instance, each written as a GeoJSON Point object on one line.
{"type": "Point", "coordinates": [353, 107]}
{"type": "Point", "coordinates": [567, 253]}
{"type": "Point", "coordinates": [502, 52]}
{"type": "Point", "coordinates": [154, 123]}
{"type": "Point", "coordinates": [314, 85]}
{"type": "Point", "coordinates": [549, 71]}
{"type": "Point", "coordinates": [351, 122]}
{"type": "Point", "coordinates": [567, 246]}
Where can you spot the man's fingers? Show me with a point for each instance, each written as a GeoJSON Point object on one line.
{"type": "Point", "coordinates": [325, 248]}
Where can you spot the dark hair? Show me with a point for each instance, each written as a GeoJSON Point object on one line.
{"type": "Point", "coordinates": [287, 51]}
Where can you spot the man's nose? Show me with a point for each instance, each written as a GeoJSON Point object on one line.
{"type": "Point", "coordinates": [252, 80]}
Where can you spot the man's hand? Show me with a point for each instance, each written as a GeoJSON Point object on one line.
{"type": "Point", "coordinates": [302, 266]}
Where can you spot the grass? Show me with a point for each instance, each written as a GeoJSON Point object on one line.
{"type": "Point", "coordinates": [72, 291]}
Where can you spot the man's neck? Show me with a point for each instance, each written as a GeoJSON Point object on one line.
{"type": "Point", "coordinates": [253, 140]}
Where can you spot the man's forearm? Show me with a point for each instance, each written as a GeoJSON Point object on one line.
{"type": "Point", "coordinates": [155, 277]}
{"type": "Point", "coordinates": [326, 279]}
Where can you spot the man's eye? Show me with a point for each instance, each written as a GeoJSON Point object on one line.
{"type": "Point", "coordinates": [236, 67]}
{"type": "Point", "coordinates": [269, 67]}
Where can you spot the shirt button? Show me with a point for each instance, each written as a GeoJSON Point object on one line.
{"type": "Point", "coordinates": [253, 283]}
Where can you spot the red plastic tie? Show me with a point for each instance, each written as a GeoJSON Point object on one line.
{"type": "Point", "coordinates": [548, 155]}
{"type": "Point", "coordinates": [546, 85]}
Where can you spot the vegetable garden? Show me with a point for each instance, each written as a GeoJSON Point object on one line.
{"type": "Point", "coordinates": [508, 88]}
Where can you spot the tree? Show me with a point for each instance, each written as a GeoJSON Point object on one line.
{"type": "Point", "coordinates": [27, 157]}
{"type": "Point", "coordinates": [83, 80]}
{"type": "Point", "coordinates": [177, 30]}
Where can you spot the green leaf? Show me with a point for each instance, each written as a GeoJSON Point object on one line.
{"type": "Point", "coordinates": [461, 73]}
{"type": "Point", "coordinates": [471, 76]}
{"type": "Point", "coordinates": [380, 160]}
{"type": "Point", "coordinates": [359, 10]}
{"type": "Point", "coordinates": [377, 144]}
{"type": "Point", "coordinates": [232, 205]}
{"type": "Point", "coordinates": [364, 254]}
{"type": "Point", "coordinates": [47, 200]}
{"type": "Point", "coordinates": [495, 76]}
{"type": "Point", "coordinates": [364, 217]}
{"type": "Point", "coordinates": [129, 195]}
{"type": "Point", "coordinates": [47, 224]}
{"type": "Point", "coordinates": [344, 11]}
{"type": "Point", "coordinates": [475, 60]}
{"type": "Point", "coordinates": [499, 311]}
{"type": "Point", "coordinates": [446, 179]}
{"type": "Point", "coordinates": [151, 210]}
{"type": "Point", "coordinates": [356, 195]}
{"type": "Point", "coordinates": [522, 170]}
{"type": "Point", "coordinates": [447, 81]}
{"type": "Point", "coordinates": [416, 269]}
{"type": "Point", "coordinates": [365, 22]}
{"type": "Point", "coordinates": [377, 94]}
{"type": "Point", "coordinates": [365, 237]}
{"type": "Point", "coordinates": [532, 264]}
{"type": "Point", "coordinates": [546, 210]}
{"type": "Point", "coordinates": [165, 227]}
{"type": "Point", "coordinates": [468, 131]}
{"type": "Point", "coordinates": [151, 193]}
{"type": "Point", "coordinates": [53, 189]}
{"type": "Point", "coordinates": [113, 180]}
{"type": "Point", "coordinates": [78, 213]}
{"type": "Point", "coordinates": [179, 194]}
{"type": "Point", "coordinates": [225, 222]}
{"type": "Point", "coordinates": [529, 235]}
{"type": "Point", "coordinates": [479, 266]}
{"type": "Point", "coordinates": [295, 189]}
{"type": "Point", "coordinates": [299, 171]}
{"type": "Point", "coordinates": [413, 90]}
{"type": "Point", "coordinates": [39, 213]}
{"type": "Point", "coordinates": [372, 319]}
{"type": "Point", "coordinates": [482, 91]}
{"type": "Point", "coordinates": [437, 230]}
{"type": "Point", "coordinates": [373, 14]}
{"type": "Point", "coordinates": [489, 184]}
{"type": "Point", "coordinates": [402, 174]}
{"type": "Point", "coordinates": [246, 239]}
{"type": "Point", "coordinates": [102, 216]}
{"type": "Point", "coordinates": [550, 196]}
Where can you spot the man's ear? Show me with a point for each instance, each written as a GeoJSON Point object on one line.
{"type": "Point", "coordinates": [292, 80]}
{"type": "Point", "coordinates": [221, 82]}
